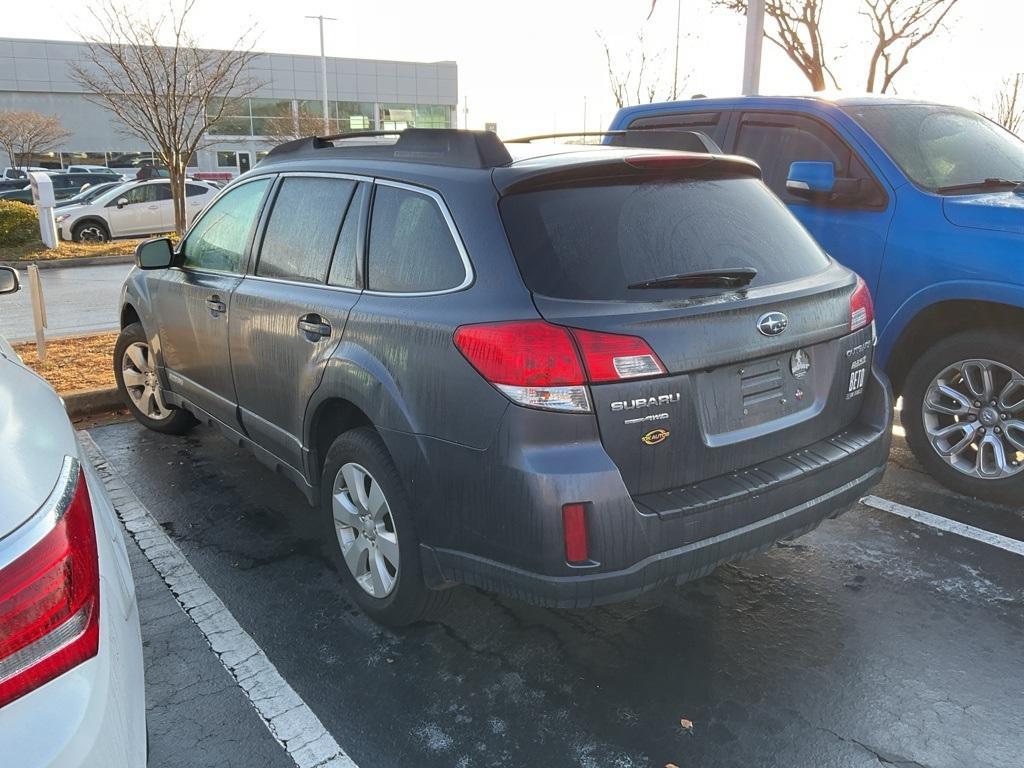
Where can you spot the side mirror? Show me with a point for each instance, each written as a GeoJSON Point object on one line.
{"type": "Point", "coordinates": [9, 280]}
{"type": "Point", "coordinates": [122, 202]}
{"type": "Point", "coordinates": [154, 254]}
{"type": "Point", "coordinates": [817, 181]}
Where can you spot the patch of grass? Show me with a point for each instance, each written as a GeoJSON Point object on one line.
{"type": "Point", "coordinates": [80, 362]}
{"type": "Point", "coordinates": [36, 251]}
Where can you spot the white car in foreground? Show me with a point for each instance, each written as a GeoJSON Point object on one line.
{"type": "Point", "coordinates": [71, 676]}
{"type": "Point", "coordinates": [135, 208]}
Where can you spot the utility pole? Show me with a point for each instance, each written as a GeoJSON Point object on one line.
{"type": "Point", "coordinates": [323, 70]}
{"type": "Point", "coordinates": [752, 52]}
{"type": "Point", "coordinates": [675, 68]}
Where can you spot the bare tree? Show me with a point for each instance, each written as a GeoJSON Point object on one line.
{"type": "Point", "coordinates": [635, 77]}
{"type": "Point", "coordinates": [26, 134]}
{"type": "Point", "coordinates": [162, 86]}
{"type": "Point", "coordinates": [899, 27]}
{"type": "Point", "coordinates": [1008, 106]}
{"type": "Point", "coordinates": [798, 33]}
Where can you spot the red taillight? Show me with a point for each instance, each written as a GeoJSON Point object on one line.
{"type": "Point", "coordinates": [862, 310]}
{"type": "Point", "coordinates": [50, 602]}
{"type": "Point", "coordinates": [539, 365]}
{"type": "Point", "coordinates": [611, 357]}
{"type": "Point", "coordinates": [574, 527]}
{"type": "Point", "coordinates": [527, 353]}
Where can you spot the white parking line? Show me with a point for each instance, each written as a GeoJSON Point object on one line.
{"type": "Point", "coordinates": [945, 524]}
{"type": "Point", "coordinates": [288, 718]}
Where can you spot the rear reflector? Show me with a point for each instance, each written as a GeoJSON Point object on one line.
{"type": "Point", "coordinates": [574, 525]}
{"type": "Point", "coordinates": [862, 309]}
{"type": "Point", "coordinates": [612, 357]}
{"type": "Point", "coordinates": [49, 601]}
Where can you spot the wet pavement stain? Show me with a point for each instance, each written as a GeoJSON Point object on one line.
{"type": "Point", "coordinates": [870, 641]}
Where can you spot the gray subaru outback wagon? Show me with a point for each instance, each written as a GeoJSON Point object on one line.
{"type": "Point", "coordinates": [567, 374]}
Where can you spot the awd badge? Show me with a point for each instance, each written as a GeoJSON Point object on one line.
{"type": "Point", "coordinates": [656, 436]}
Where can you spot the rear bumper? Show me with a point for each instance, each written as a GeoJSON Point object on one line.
{"type": "Point", "coordinates": [510, 539]}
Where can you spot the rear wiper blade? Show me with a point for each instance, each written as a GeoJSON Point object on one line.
{"type": "Point", "coordinates": [983, 184]}
{"type": "Point", "coordinates": [734, 277]}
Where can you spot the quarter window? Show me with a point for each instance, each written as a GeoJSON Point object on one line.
{"type": "Point", "coordinates": [346, 253]}
{"type": "Point", "coordinates": [220, 238]}
{"type": "Point", "coordinates": [411, 246]}
{"type": "Point", "coordinates": [303, 228]}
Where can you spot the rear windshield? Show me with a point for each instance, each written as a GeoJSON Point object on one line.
{"type": "Point", "coordinates": [592, 242]}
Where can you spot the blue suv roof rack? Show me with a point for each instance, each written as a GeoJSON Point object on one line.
{"type": "Point", "coordinates": [435, 146]}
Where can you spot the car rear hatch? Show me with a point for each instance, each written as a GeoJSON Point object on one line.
{"type": "Point", "coordinates": [750, 370]}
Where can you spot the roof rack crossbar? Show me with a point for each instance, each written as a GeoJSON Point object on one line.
{"type": "Point", "coordinates": [438, 146]}
{"type": "Point", "coordinates": [647, 138]}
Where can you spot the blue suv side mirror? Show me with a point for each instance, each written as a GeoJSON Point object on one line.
{"type": "Point", "coordinates": [815, 180]}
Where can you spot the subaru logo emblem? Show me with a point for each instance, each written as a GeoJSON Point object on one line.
{"type": "Point", "coordinates": [772, 323]}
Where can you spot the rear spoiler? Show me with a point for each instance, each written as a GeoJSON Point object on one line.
{"type": "Point", "coordinates": [617, 166]}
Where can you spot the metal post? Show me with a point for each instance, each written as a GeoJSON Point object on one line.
{"type": "Point", "coordinates": [752, 53]}
{"type": "Point", "coordinates": [323, 70]}
{"type": "Point", "coordinates": [35, 286]}
{"type": "Point", "coordinates": [675, 68]}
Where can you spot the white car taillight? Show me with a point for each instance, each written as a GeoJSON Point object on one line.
{"type": "Point", "coordinates": [50, 598]}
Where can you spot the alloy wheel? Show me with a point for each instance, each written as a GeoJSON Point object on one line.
{"type": "Point", "coordinates": [92, 233]}
{"type": "Point", "coordinates": [142, 383]}
{"type": "Point", "coordinates": [366, 530]}
{"type": "Point", "coordinates": [973, 414]}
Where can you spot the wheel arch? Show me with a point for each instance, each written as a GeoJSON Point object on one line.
{"type": "Point", "coordinates": [129, 315]}
{"type": "Point", "coordinates": [937, 320]}
{"type": "Point", "coordinates": [331, 418]}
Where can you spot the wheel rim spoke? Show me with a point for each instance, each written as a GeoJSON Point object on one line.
{"type": "Point", "coordinates": [978, 379]}
{"type": "Point", "coordinates": [991, 458]}
{"type": "Point", "coordinates": [345, 512]}
{"type": "Point", "coordinates": [942, 438]}
{"type": "Point", "coordinates": [355, 481]}
{"type": "Point", "coordinates": [1011, 398]}
{"type": "Point", "coordinates": [355, 555]}
{"type": "Point", "coordinates": [380, 579]}
{"type": "Point", "coordinates": [934, 400]}
{"type": "Point", "coordinates": [138, 358]}
{"type": "Point", "coordinates": [376, 504]}
{"type": "Point", "coordinates": [1014, 433]}
{"type": "Point", "coordinates": [387, 543]}
{"type": "Point", "coordinates": [133, 378]}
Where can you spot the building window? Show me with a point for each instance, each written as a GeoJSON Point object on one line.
{"type": "Point", "coordinates": [397, 117]}
{"type": "Point", "coordinates": [227, 159]}
{"type": "Point", "coordinates": [236, 120]}
{"type": "Point", "coordinates": [129, 159]}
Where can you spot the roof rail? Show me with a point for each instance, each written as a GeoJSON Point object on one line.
{"type": "Point", "coordinates": [435, 146]}
{"type": "Point", "coordinates": [641, 138]}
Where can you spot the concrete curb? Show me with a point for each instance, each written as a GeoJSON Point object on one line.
{"type": "Point", "coordinates": [78, 261]}
{"type": "Point", "coordinates": [86, 402]}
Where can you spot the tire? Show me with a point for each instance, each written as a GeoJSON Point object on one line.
{"type": "Point", "coordinates": [372, 541]}
{"type": "Point", "coordinates": [91, 231]}
{"type": "Point", "coordinates": [133, 360]}
{"type": "Point", "coordinates": [978, 426]}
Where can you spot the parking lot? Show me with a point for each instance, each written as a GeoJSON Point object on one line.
{"type": "Point", "coordinates": [875, 640]}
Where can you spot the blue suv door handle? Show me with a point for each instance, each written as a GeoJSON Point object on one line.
{"type": "Point", "coordinates": [314, 327]}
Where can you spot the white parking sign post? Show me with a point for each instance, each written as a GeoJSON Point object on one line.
{"type": "Point", "coordinates": [42, 195]}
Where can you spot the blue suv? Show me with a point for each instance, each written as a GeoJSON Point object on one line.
{"type": "Point", "coordinates": [926, 203]}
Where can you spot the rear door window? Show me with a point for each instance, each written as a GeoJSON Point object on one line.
{"type": "Point", "coordinates": [412, 249]}
{"type": "Point", "coordinates": [303, 228]}
{"type": "Point", "coordinates": [776, 141]}
{"type": "Point", "coordinates": [711, 123]}
{"type": "Point", "coordinates": [593, 242]}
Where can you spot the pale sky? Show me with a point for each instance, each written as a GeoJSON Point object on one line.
{"type": "Point", "coordinates": [528, 65]}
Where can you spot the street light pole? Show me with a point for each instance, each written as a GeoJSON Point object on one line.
{"type": "Point", "coordinates": [675, 69]}
{"type": "Point", "coordinates": [752, 52]}
{"type": "Point", "coordinates": [323, 70]}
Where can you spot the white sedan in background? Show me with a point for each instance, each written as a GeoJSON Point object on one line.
{"type": "Point", "coordinates": [72, 691]}
{"type": "Point", "coordinates": [134, 209]}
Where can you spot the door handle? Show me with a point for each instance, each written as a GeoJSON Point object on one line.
{"type": "Point", "coordinates": [216, 306]}
{"type": "Point", "coordinates": [314, 326]}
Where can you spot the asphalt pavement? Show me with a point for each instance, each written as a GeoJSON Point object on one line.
{"type": "Point", "coordinates": [872, 641]}
{"type": "Point", "coordinates": [78, 300]}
